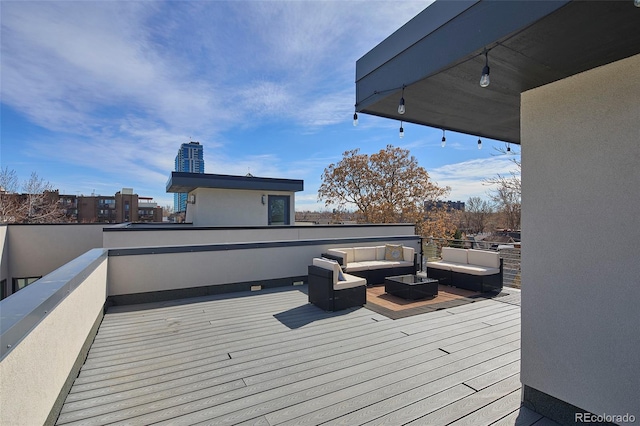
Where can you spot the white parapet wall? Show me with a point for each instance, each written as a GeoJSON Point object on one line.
{"type": "Point", "coordinates": [157, 269]}
{"type": "Point", "coordinates": [42, 358]}
{"type": "Point", "coordinates": [153, 236]}
{"type": "Point", "coordinates": [37, 249]}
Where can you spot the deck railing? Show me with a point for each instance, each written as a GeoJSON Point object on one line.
{"type": "Point", "coordinates": [509, 252]}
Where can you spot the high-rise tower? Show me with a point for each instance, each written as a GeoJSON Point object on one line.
{"type": "Point", "coordinates": [190, 159]}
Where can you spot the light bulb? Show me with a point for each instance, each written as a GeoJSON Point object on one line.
{"type": "Point", "coordinates": [485, 80]}
{"type": "Point", "coordinates": [401, 108]}
{"type": "Point", "coordinates": [401, 132]}
{"type": "Point", "coordinates": [479, 144]}
{"type": "Point", "coordinates": [355, 119]}
{"type": "Point", "coordinates": [508, 149]}
{"type": "Point", "coordinates": [444, 140]}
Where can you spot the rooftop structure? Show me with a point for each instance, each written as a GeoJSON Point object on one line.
{"type": "Point", "coordinates": [225, 200]}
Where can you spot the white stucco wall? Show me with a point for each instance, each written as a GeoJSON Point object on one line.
{"type": "Point", "coordinates": [34, 372]}
{"type": "Point", "coordinates": [142, 273]}
{"type": "Point", "coordinates": [36, 250]}
{"type": "Point", "coordinates": [186, 236]}
{"type": "Point", "coordinates": [227, 207]}
{"type": "Point", "coordinates": [581, 227]}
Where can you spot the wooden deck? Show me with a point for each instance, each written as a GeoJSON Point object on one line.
{"type": "Point", "coordinates": [268, 358]}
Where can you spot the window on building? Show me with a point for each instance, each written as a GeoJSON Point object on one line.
{"type": "Point", "coordinates": [279, 210]}
{"type": "Point", "coordinates": [20, 283]}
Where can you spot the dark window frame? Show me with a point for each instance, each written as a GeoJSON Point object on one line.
{"type": "Point", "coordinates": [272, 200]}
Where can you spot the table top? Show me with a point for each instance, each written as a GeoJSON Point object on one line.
{"type": "Point", "coordinates": [411, 279]}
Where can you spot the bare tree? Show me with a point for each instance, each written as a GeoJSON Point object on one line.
{"type": "Point", "coordinates": [477, 214]}
{"type": "Point", "coordinates": [167, 210]}
{"type": "Point", "coordinates": [507, 192]}
{"type": "Point", "coordinates": [41, 204]}
{"type": "Point", "coordinates": [38, 203]}
{"type": "Point", "coordinates": [9, 199]}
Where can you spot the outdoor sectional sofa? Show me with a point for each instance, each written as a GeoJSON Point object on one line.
{"type": "Point", "coordinates": [375, 263]}
{"type": "Point", "coordinates": [333, 290]}
{"type": "Point", "coordinates": [477, 270]}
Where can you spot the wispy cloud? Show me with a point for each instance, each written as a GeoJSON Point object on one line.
{"type": "Point", "coordinates": [467, 179]}
{"type": "Point", "coordinates": [115, 87]}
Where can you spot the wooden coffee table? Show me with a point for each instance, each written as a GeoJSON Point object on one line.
{"type": "Point", "coordinates": [411, 287]}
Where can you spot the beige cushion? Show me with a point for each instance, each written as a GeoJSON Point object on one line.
{"type": "Point", "coordinates": [380, 252]}
{"type": "Point", "coordinates": [457, 255]}
{"type": "Point", "coordinates": [393, 252]}
{"type": "Point", "coordinates": [407, 253]}
{"type": "Point", "coordinates": [339, 253]}
{"type": "Point", "coordinates": [444, 265]}
{"type": "Point", "coordinates": [357, 266]}
{"type": "Point", "coordinates": [364, 253]}
{"type": "Point", "coordinates": [329, 265]}
{"type": "Point", "coordinates": [349, 282]}
{"type": "Point", "coordinates": [489, 259]}
{"type": "Point", "coordinates": [475, 270]}
{"type": "Point", "coordinates": [350, 254]}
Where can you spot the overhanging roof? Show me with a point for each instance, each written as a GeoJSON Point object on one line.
{"type": "Point", "coordinates": [439, 57]}
{"type": "Point", "coordinates": [187, 182]}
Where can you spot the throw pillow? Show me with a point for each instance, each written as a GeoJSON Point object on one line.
{"type": "Point", "coordinates": [340, 274]}
{"type": "Point", "coordinates": [393, 252]}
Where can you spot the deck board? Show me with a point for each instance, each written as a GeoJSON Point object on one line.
{"type": "Point", "coordinates": [268, 358]}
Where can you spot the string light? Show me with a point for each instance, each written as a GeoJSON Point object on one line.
{"type": "Point", "coordinates": [508, 149]}
{"type": "Point", "coordinates": [479, 144]}
{"type": "Point", "coordinates": [401, 134]}
{"type": "Point", "coordinates": [485, 80]}
{"type": "Point", "coordinates": [444, 140]}
{"type": "Point", "coordinates": [355, 119]}
{"type": "Point", "coordinates": [401, 108]}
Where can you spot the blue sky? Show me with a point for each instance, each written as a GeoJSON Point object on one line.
{"type": "Point", "coordinates": [97, 96]}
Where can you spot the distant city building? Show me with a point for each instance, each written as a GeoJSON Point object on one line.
{"type": "Point", "coordinates": [190, 159]}
{"type": "Point", "coordinates": [124, 206]}
{"type": "Point", "coordinates": [449, 205]}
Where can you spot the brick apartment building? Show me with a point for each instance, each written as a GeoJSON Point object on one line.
{"type": "Point", "coordinates": [124, 206]}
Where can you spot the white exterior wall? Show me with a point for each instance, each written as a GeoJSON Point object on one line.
{"type": "Point", "coordinates": [228, 207]}
{"type": "Point", "coordinates": [177, 237]}
{"type": "Point", "coordinates": [142, 273]}
{"type": "Point", "coordinates": [34, 372]}
{"type": "Point", "coordinates": [581, 227]}
{"type": "Point", "coordinates": [36, 250]}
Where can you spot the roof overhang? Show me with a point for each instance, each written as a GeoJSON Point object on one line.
{"type": "Point", "coordinates": [187, 182]}
{"type": "Point", "coordinates": [438, 58]}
